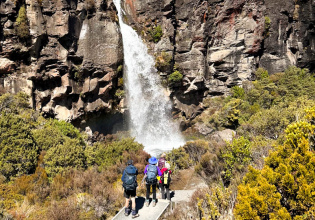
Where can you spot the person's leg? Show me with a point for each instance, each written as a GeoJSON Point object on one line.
{"type": "Point", "coordinates": [127, 209]}
{"type": "Point", "coordinates": [168, 192]}
{"type": "Point", "coordinates": [127, 203]}
{"type": "Point", "coordinates": [133, 203]}
{"type": "Point", "coordinates": [148, 191]}
{"type": "Point", "coordinates": [162, 191]}
{"type": "Point", "coordinates": [154, 191]}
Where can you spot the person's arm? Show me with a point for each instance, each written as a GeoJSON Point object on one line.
{"type": "Point", "coordinates": [145, 170]}
{"type": "Point", "coordinates": [159, 171]}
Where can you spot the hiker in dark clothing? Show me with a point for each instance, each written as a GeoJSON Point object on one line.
{"type": "Point", "coordinates": [151, 171]}
{"type": "Point", "coordinates": [129, 179]}
{"type": "Point", "coordinates": [161, 163]}
{"type": "Point", "coordinates": [165, 181]}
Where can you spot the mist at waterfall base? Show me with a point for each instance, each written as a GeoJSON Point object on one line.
{"type": "Point", "coordinates": [150, 109]}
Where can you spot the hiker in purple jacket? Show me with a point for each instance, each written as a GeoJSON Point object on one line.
{"type": "Point", "coordinates": [151, 171]}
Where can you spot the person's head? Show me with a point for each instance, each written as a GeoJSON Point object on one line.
{"type": "Point", "coordinates": [130, 162]}
{"type": "Point", "coordinates": [163, 155]}
{"type": "Point", "coordinates": [153, 160]}
{"type": "Point", "coordinates": [167, 165]}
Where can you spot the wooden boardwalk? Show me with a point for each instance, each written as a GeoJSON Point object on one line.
{"type": "Point", "coordinates": [145, 213]}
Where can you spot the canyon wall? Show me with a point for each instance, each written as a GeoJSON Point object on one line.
{"type": "Point", "coordinates": [67, 54]}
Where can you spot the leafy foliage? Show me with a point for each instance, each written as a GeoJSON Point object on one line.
{"type": "Point", "coordinates": [18, 151]}
{"type": "Point", "coordinates": [108, 154]}
{"type": "Point", "coordinates": [22, 27]}
{"type": "Point", "coordinates": [156, 33]}
{"type": "Point", "coordinates": [70, 154]}
{"type": "Point", "coordinates": [175, 77]}
{"type": "Point", "coordinates": [236, 156]}
{"type": "Point", "coordinates": [283, 189]}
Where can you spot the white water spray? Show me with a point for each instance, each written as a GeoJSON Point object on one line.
{"type": "Point", "coordinates": [150, 108]}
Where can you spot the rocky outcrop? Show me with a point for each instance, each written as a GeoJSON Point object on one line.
{"type": "Point", "coordinates": [68, 63]}
{"type": "Point", "coordinates": [218, 44]}
{"type": "Point", "coordinates": [70, 56]}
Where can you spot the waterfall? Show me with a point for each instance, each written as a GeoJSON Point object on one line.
{"type": "Point", "coordinates": [150, 108]}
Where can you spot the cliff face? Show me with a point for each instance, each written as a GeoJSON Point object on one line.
{"type": "Point", "coordinates": [71, 60]}
{"type": "Point", "coordinates": [68, 62]}
{"type": "Point", "coordinates": [217, 44]}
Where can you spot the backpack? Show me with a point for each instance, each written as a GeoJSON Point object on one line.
{"type": "Point", "coordinates": [130, 178]}
{"type": "Point", "coordinates": [165, 178]}
{"type": "Point", "coordinates": [151, 174]}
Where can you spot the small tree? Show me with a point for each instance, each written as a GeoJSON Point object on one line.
{"type": "Point", "coordinates": [285, 187]}
{"type": "Point", "coordinates": [22, 27]}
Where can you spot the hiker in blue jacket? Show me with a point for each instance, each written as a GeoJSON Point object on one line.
{"type": "Point", "coordinates": [151, 171]}
{"type": "Point", "coordinates": [129, 179]}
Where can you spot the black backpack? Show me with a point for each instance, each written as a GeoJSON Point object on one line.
{"type": "Point", "coordinates": [166, 177]}
{"type": "Point", "coordinates": [151, 174]}
{"type": "Point", "coordinates": [130, 178]}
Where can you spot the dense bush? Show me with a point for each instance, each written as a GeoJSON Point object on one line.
{"type": "Point", "coordinates": [116, 152]}
{"type": "Point", "coordinates": [175, 77]}
{"type": "Point", "coordinates": [156, 33]}
{"type": "Point", "coordinates": [284, 188]}
{"type": "Point", "coordinates": [236, 156]}
{"type": "Point", "coordinates": [18, 151]}
{"type": "Point", "coordinates": [179, 159]}
{"type": "Point", "coordinates": [68, 155]}
{"type": "Point", "coordinates": [22, 27]}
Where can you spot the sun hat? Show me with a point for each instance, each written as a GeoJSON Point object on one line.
{"type": "Point", "coordinates": [163, 155]}
{"type": "Point", "coordinates": [153, 160]}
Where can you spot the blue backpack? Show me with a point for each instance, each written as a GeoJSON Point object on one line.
{"type": "Point", "coordinates": [151, 174]}
{"type": "Point", "coordinates": [130, 178]}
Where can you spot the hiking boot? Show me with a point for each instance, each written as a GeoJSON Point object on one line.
{"type": "Point", "coordinates": [147, 203]}
{"type": "Point", "coordinates": [153, 203]}
{"type": "Point", "coordinates": [134, 214]}
{"type": "Point", "coordinates": [127, 211]}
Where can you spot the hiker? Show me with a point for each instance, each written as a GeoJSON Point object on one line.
{"type": "Point", "coordinates": [161, 163]}
{"type": "Point", "coordinates": [151, 171]}
{"type": "Point", "coordinates": [165, 181]}
{"type": "Point", "coordinates": [129, 179]}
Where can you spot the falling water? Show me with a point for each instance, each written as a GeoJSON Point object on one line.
{"type": "Point", "coordinates": [150, 108]}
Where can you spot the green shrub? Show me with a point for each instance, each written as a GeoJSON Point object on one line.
{"type": "Point", "coordinates": [236, 157]}
{"type": "Point", "coordinates": [14, 103]}
{"type": "Point", "coordinates": [119, 93]}
{"type": "Point", "coordinates": [175, 77]}
{"type": "Point", "coordinates": [18, 151]}
{"type": "Point", "coordinates": [283, 189]}
{"type": "Point", "coordinates": [238, 92]}
{"type": "Point", "coordinates": [54, 133]}
{"type": "Point", "coordinates": [267, 26]}
{"type": "Point", "coordinates": [108, 154]}
{"type": "Point", "coordinates": [261, 73]}
{"type": "Point", "coordinates": [178, 158]}
{"type": "Point", "coordinates": [64, 156]}
{"type": "Point", "coordinates": [22, 27]}
{"type": "Point", "coordinates": [156, 33]}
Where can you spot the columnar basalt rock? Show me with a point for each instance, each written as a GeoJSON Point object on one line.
{"type": "Point", "coordinates": [68, 65]}
{"type": "Point", "coordinates": [69, 62]}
